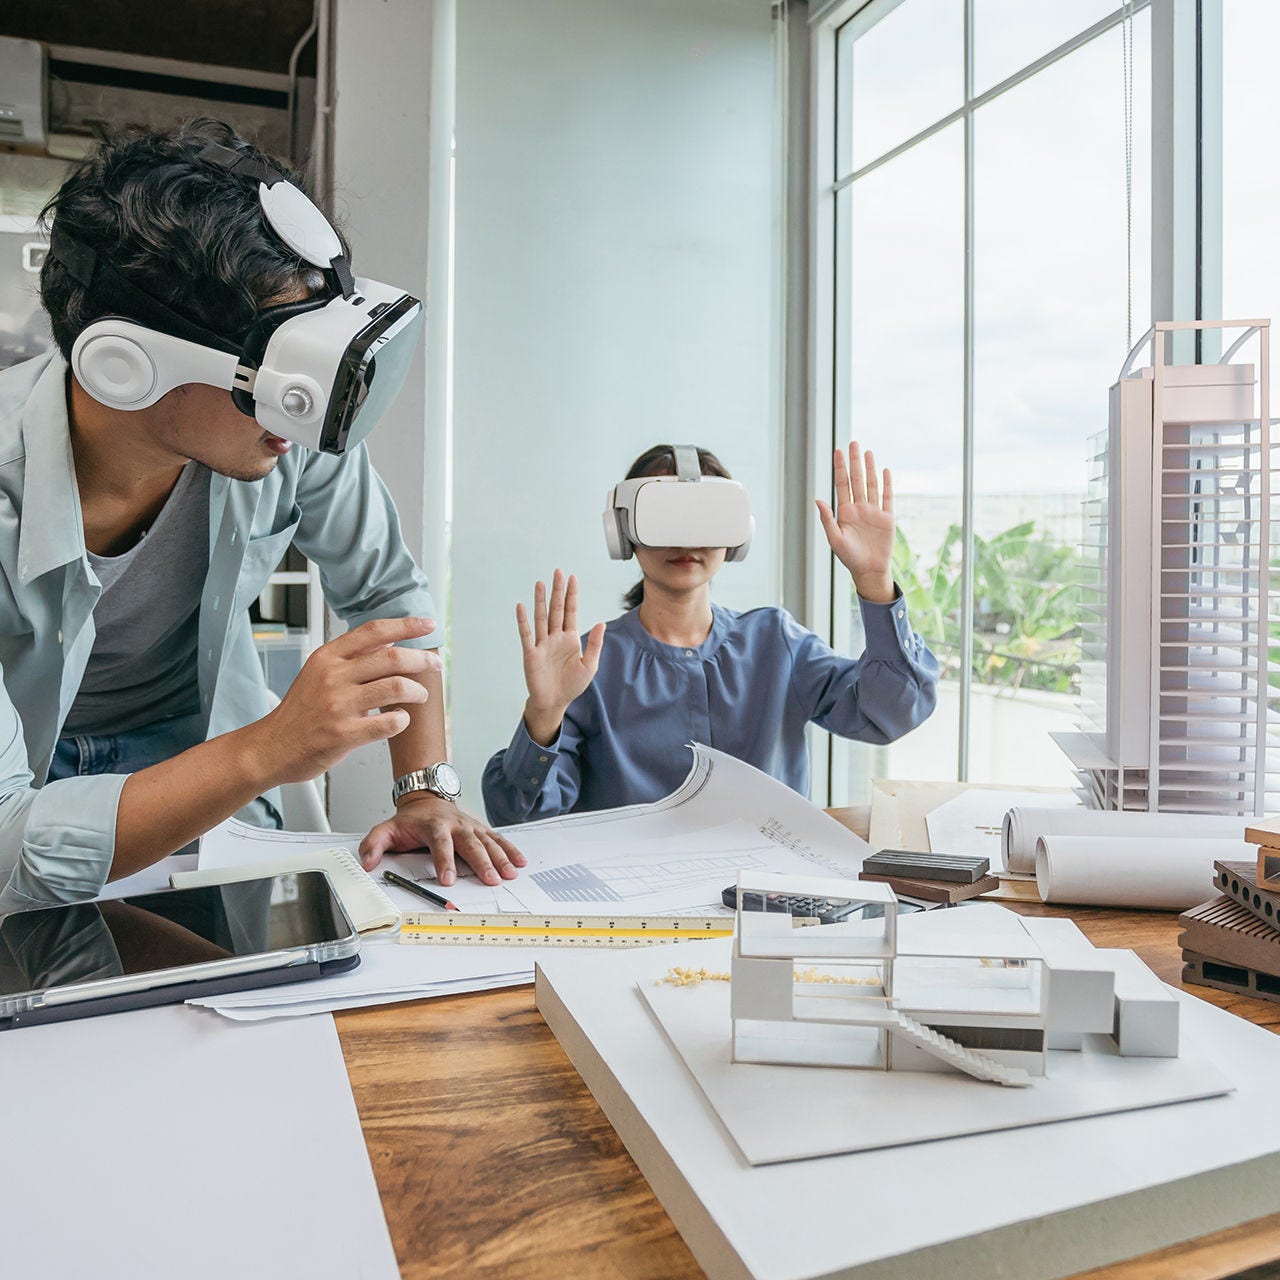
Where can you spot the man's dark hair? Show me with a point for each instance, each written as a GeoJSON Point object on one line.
{"type": "Point", "coordinates": [186, 231]}
{"type": "Point", "coordinates": [660, 460]}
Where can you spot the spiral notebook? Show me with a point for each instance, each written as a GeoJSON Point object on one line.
{"type": "Point", "coordinates": [368, 906]}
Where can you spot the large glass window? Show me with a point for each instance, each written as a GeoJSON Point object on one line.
{"type": "Point", "coordinates": [1053, 209]}
{"type": "Point", "coordinates": [1057, 304]}
{"type": "Point", "coordinates": [906, 314]}
{"type": "Point", "coordinates": [1011, 34]}
{"type": "Point", "coordinates": [905, 71]}
{"type": "Point", "coordinates": [1250, 108]}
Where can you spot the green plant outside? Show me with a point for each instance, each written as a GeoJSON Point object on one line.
{"type": "Point", "coordinates": [1026, 606]}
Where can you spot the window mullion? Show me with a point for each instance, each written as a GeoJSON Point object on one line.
{"type": "Point", "coordinates": [1210, 172]}
{"type": "Point", "coordinates": [1174, 251]}
{"type": "Point", "coordinates": [966, 501]}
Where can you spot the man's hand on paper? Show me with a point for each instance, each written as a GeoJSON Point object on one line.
{"type": "Point", "coordinates": [556, 667]}
{"type": "Point", "coordinates": [860, 529]}
{"type": "Point", "coordinates": [335, 703]}
{"type": "Point", "coordinates": [425, 821]}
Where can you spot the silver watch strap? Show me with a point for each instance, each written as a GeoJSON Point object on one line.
{"type": "Point", "coordinates": [440, 779]}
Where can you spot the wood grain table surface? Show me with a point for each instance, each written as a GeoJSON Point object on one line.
{"type": "Point", "coordinates": [494, 1160]}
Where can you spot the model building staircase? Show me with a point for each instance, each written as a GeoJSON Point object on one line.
{"type": "Point", "coordinates": [955, 1054]}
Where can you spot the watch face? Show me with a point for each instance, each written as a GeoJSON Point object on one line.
{"type": "Point", "coordinates": [445, 780]}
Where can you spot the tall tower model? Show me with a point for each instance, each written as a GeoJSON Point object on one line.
{"type": "Point", "coordinates": [1180, 695]}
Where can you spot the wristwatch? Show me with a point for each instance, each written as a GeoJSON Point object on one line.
{"type": "Point", "coordinates": [440, 779]}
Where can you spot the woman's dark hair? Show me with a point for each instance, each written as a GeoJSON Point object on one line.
{"type": "Point", "coordinates": [188, 232]}
{"type": "Point", "coordinates": [660, 460]}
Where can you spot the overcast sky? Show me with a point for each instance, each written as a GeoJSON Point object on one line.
{"type": "Point", "coordinates": [1050, 232]}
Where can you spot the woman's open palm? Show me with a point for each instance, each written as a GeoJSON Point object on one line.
{"type": "Point", "coordinates": [556, 666]}
{"type": "Point", "coordinates": [860, 529]}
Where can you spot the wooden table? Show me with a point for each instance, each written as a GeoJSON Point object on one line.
{"type": "Point", "coordinates": [494, 1160]}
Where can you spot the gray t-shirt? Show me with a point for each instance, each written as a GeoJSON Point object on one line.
{"type": "Point", "coordinates": [143, 665]}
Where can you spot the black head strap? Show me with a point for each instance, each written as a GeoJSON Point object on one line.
{"type": "Point", "coordinates": [241, 162]}
{"type": "Point", "coordinates": [341, 268]}
{"type": "Point", "coordinates": [117, 295]}
{"type": "Point", "coordinates": [79, 260]}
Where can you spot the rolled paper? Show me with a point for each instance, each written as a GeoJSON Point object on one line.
{"type": "Point", "coordinates": [1024, 826]}
{"type": "Point", "coordinates": [1161, 873]}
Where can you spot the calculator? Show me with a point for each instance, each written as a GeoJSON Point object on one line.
{"type": "Point", "coordinates": [824, 910]}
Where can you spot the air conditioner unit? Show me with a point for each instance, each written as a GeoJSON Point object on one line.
{"type": "Point", "coordinates": [1180, 709]}
{"type": "Point", "coordinates": [24, 326]}
{"type": "Point", "coordinates": [23, 96]}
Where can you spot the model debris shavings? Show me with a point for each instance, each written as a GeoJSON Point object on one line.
{"type": "Point", "coordinates": [677, 976]}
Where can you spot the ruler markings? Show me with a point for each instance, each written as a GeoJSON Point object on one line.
{"type": "Point", "coordinates": [510, 928]}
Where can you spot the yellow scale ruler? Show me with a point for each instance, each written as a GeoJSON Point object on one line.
{"type": "Point", "coordinates": [513, 929]}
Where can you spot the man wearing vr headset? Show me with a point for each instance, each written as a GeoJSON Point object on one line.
{"type": "Point", "coordinates": [217, 368]}
{"type": "Point", "coordinates": [606, 721]}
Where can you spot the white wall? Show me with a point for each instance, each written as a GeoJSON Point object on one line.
{"type": "Point", "coordinates": [385, 54]}
{"type": "Point", "coordinates": [615, 241]}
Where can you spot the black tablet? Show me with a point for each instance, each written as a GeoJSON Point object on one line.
{"type": "Point", "coordinates": [58, 963]}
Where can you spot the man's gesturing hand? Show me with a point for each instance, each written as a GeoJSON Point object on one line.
{"type": "Point", "coordinates": [335, 703]}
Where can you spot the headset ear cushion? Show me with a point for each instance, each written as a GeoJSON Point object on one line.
{"type": "Point", "coordinates": [113, 368]}
{"type": "Point", "coordinates": [740, 553]}
{"type": "Point", "coordinates": [615, 535]}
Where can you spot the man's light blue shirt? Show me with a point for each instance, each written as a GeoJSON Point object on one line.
{"type": "Point", "coordinates": [57, 840]}
{"type": "Point", "coordinates": [749, 690]}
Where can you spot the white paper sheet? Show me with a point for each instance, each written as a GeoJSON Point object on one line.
{"type": "Point", "coordinates": [167, 1142]}
{"type": "Point", "coordinates": [408, 971]}
{"type": "Point", "coordinates": [1161, 873]}
{"type": "Point", "coordinates": [973, 822]}
{"type": "Point", "coordinates": [234, 843]}
{"type": "Point", "coordinates": [237, 844]}
{"type": "Point", "coordinates": [259, 1013]}
{"type": "Point", "coordinates": [150, 879]}
{"type": "Point", "coordinates": [1024, 825]}
{"type": "Point", "coordinates": [657, 875]}
{"type": "Point", "coordinates": [724, 815]}
{"type": "Point", "coordinates": [899, 809]}
{"type": "Point", "coordinates": [725, 812]}
{"type": "Point", "coordinates": [680, 851]}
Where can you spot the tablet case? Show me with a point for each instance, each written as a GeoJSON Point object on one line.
{"type": "Point", "coordinates": [178, 993]}
{"type": "Point", "coordinates": [63, 962]}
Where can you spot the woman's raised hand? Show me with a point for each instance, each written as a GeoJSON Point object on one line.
{"type": "Point", "coordinates": [556, 666]}
{"type": "Point", "coordinates": [860, 530]}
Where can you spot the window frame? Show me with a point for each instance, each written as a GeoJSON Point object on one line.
{"type": "Point", "coordinates": [1186, 254]}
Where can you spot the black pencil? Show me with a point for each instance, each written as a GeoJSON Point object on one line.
{"type": "Point", "coordinates": [413, 886]}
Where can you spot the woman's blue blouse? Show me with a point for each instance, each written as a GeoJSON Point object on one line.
{"type": "Point", "coordinates": [748, 690]}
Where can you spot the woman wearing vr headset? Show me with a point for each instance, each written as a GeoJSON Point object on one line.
{"type": "Point", "coordinates": [204, 408]}
{"type": "Point", "coordinates": [608, 715]}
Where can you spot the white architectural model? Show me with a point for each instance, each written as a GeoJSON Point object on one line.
{"type": "Point", "coordinates": [1176, 600]}
{"type": "Point", "coordinates": [989, 1004]}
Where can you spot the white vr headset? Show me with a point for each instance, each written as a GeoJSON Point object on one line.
{"type": "Point", "coordinates": [319, 372]}
{"type": "Point", "coordinates": [687, 509]}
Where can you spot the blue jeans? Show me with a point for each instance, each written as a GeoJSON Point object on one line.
{"type": "Point", "coordinates": [135, 749]}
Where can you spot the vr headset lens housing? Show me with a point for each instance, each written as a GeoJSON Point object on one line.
{"type": "Point", "coordinates": [328, 374]}
{"type": "Point", "coordinates": [669, 513]}
{"type": "Point", "coordinates": [676, 511]}
{"type": "Point", "coordinates": [376, 376]}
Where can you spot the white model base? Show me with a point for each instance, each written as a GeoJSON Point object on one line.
{"type": "Point", "coordinates": [838, 1110]}
{"type": "Point", "coordinates": [1035, 1203]}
